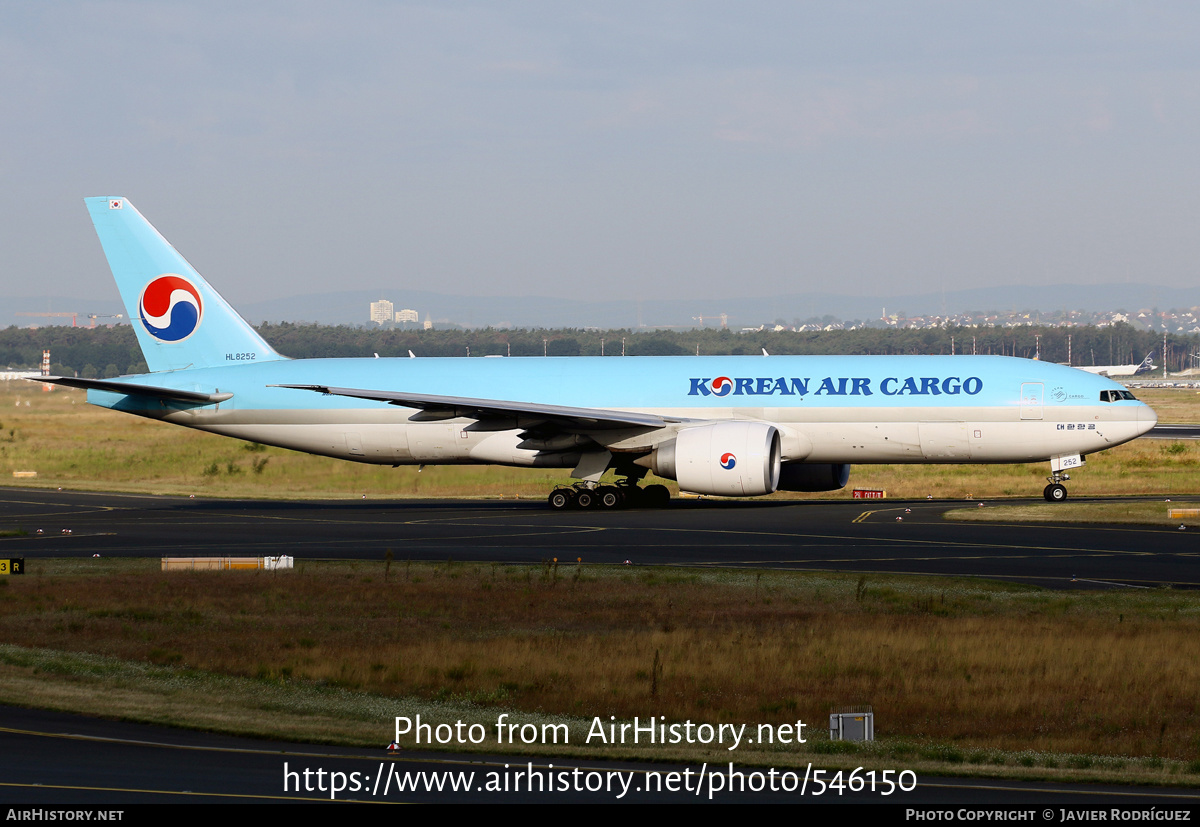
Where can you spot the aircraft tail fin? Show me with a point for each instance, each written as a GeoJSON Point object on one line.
{"type": "Point", "coordinates": [1147, 365]}
{"type": "Point", "coordinates": [180, 320]}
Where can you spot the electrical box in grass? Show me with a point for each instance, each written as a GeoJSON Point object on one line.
{"type": "Point", "coordinates": [853, 724]}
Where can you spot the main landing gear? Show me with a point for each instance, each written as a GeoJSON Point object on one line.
{"type": "Point", "coordinates": [1056, 492]}
{"type": "Point", "coordinates": [625, 494]}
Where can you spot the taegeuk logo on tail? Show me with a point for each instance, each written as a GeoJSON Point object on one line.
{"type": "Point", "coordinates": [170, 308]}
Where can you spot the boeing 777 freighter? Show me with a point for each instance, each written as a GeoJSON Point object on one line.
{"type": "Point", "coordinates": [719, 425]}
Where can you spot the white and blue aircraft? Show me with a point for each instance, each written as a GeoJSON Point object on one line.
{"type": "Point", "coordinates": [719, 425]}
{"type": "Point", "coordinates": [1146, 366]}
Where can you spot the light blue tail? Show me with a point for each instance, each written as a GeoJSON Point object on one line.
{"type": "Point", "coordinates": [180, 321]}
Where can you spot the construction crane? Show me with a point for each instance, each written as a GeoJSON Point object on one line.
{"type": "Point", "coordinates": [723, 316]}
{"type": "Point", "coordinates": [94, 316]}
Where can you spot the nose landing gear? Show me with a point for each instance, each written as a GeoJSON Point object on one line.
{"type": "Point", "coordinates": [1056, 492]}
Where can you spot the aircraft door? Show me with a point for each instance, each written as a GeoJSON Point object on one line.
{"type": "Point", "coordinates": [1031, 400]}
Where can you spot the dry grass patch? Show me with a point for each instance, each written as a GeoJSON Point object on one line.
{"type": "Point", "coordinates": [975, 665]}
{"type": "Point", "coordinates": [1115, 512]}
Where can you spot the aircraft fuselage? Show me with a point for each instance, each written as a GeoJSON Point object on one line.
{"type": "Point", "coordinates": [839, 409]}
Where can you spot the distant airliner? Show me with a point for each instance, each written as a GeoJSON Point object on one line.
{"type": "Point", "coordinates": [1124, 370]}
{"type": "Point", "coordinates": [719, 425]}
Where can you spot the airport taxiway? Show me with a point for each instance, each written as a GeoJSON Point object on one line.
{"type": "Point", "coordinates": [848, 535]}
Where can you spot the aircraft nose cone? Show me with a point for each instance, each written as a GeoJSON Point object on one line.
{"type": "Point", "coordinates": [1146, 419]}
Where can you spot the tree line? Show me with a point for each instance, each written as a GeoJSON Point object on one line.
{"type": "Point", "coordinates": [112, 351]}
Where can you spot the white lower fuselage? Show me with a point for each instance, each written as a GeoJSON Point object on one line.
{"type": "Point", "coordinates": [384, 435]}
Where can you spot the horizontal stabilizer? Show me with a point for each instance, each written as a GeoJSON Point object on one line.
{"type": "Point", "coordinates": [493, 408]}
{"type": "Point", "coordinates": [133, 389]}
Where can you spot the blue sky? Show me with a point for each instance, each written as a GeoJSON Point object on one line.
{"type": "Point", "coordinates": [649, 149]}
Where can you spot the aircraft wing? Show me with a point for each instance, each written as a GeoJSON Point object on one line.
{"type": "Point", "coordinates": [446, 407]}
{"type": "Point", "coordinates": [133, 389]}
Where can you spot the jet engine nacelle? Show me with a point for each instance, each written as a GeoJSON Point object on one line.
{"type": "Point", "coordinates": [730, 459]}
{"type": "Point", "coordinates": [814, 476]}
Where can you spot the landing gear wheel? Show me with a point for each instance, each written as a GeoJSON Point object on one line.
{"type": "Point", "coordinates": [1055, 492]}
{"type": "Point", "coordinates": [561, 499]}
{"type": "Point", "coordinates": [586, 498]}
{"type": "Point", "coordinates": [609, 496]}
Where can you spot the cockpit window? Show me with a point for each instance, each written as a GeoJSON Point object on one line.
{"type": "Point", "coordinates": [1116, 396]}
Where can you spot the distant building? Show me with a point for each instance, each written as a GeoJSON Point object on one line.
{"type": "Point", "coordinates": [381, 311]}
{"type": "Point", "coordinates": [407, 315]}
{"type": "Point", "coordinates": [428, 322]}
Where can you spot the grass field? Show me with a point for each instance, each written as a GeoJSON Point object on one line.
{"type": "Point", "coordinates": [958, 672]}
{"type": "Point", "coordinates": [74, 445]}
